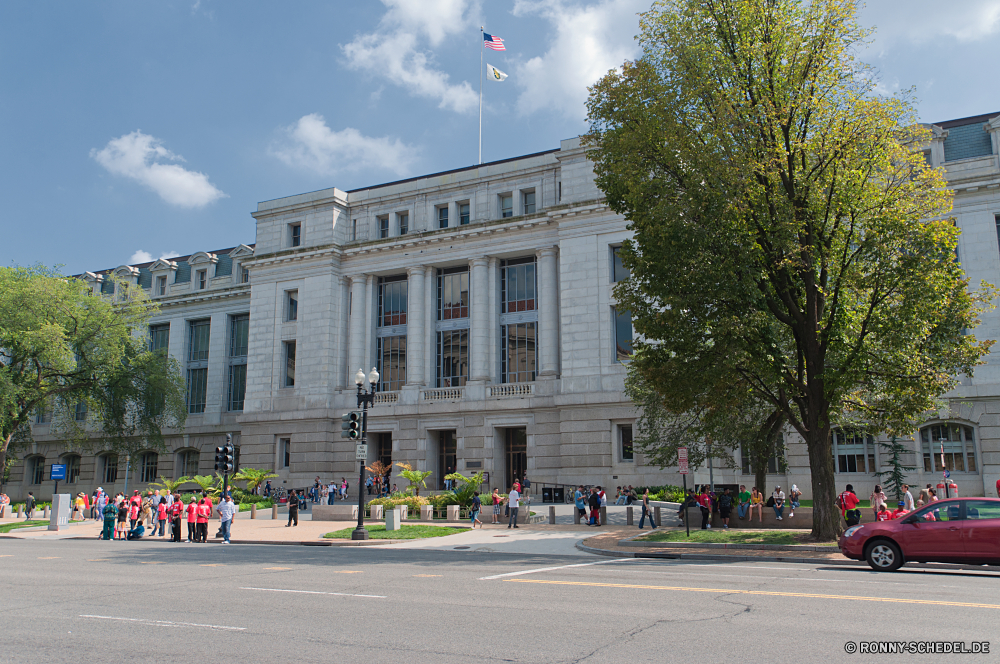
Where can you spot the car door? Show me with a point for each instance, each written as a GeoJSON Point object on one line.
{"type": "Point", "coordinates": [981, 530]}
{"type": "Point", "coordinates": [933, 533]}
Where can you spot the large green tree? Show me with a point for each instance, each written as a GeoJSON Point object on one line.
{"type": "Point", "coordinates": [63, 348]}
{"type": "Point", "coordinates": [786, 222]}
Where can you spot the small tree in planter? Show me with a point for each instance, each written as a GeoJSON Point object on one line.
{"type": "Point", "coordinates": [894, 478]}
{"type": "Point", "coordinates": [416, 478]}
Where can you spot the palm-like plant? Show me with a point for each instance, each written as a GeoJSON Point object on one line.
{"type": "Point", "coordinates": [416, 478]}
{"type": "Point", "coordinates": [469, 486]}
{"type": "Point", "coordinates": [204, 481]}
{"type": "Point", "coordinates": [254, 477]}
{"type": "Point", "coordinates": [170, 485]}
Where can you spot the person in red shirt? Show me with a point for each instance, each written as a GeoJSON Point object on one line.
{"type": "Point", "coordinates": [176, 510]}
{"type": "Point", "coordinates": [883, 514]}
{"type": "Point", "coordinates": [998, 488]}
{"type": "Point", "coordinates": [899, 511]}
{"type": "Point", "coordinates": [192, 515]}
{"type": "Point", "coordinates": [203, 512]}
{"type": "Point", "coordinates": [161, 517]}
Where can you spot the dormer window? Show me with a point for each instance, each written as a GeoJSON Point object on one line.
{"type": "Point", "coordinates": [202, 279]}
{"type": "Point", "coordinates": [244, 275]}
{"type": "Point", "coordinates": [161, 286]}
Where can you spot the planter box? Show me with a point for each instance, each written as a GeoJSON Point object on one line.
{"type": "Point", "coordinates": [335, 513]}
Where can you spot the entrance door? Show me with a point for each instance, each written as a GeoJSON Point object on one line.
{"type": "Point", "coordinates": [384, 449]}
{"type": "Point", "coordinates": [515, 455]}
{"type": "Point", "coordinates": [447, 456]}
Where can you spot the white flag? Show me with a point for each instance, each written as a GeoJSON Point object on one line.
{"type": "Point", "coordinates": [495, 74]}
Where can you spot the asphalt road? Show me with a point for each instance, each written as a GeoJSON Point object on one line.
{"type": "Point", "coordinates": [92, 601]}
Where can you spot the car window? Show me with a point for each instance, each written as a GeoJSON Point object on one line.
{"type": "Point", "coordinates": [938, 512]}
{"type": "Point", "coordinates": [982, 509]}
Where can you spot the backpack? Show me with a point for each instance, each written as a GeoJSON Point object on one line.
{"type": "Point", "coordinates": [853, 517]}
{"type": "Point", "coordinates": [770, 501]}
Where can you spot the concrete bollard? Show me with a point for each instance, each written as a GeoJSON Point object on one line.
{"type": "Point", "coordinates": [20, 511]}
{"type": "Point", "coordinates": [576, 516]}
{"type": "Point", "coordinates": [404, 511]}
{"type": "Point", "coordinates": [629, 518]}
{"type": "Point", "coordinates": [552, 514]}
{"type": "Point", "coordinates": [656, 515]}
{"type": "Point", "coordinates": [393, 518]}
{"type": "Point", "coordinates": [453, 512]}
{"type": "Point", "coordinates": [426, 512]}
{"type": "Point", "coordinates": [274, 511]}
{"type": "Point", "coordinates": [604, 515]}
{"type": "Point", "coordinates": [253, 510]}
{"type": "Point", "coordinates": [47, 513]}
{"type": "Point", "coordinates": [377, 511]}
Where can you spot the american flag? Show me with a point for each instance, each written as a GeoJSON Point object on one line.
{"type": "Point", "coordinates": [493, 42]}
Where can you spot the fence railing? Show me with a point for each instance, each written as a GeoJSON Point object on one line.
{"type": "Point", "coordinates": [443, 394]}
{"type": "Point", "coordinates": [511, 390]}
{"type": "Point", "coordinates": [383, 398]}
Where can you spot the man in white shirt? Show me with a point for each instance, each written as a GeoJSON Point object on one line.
{"type": "Point", "coordinates": [513, 500]}
{"type": "Point", "coordinates": [226, 511]}
{"type": "Point", "coordinates": [907, 498]}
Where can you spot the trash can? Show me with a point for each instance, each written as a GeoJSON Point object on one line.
{"type": "Point", "coordinates": [558, 495]}
{"type": "Point", "coordinates": [546, 494]}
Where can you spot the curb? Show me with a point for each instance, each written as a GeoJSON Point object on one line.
{"type": "Point", "coordinates": [735, 546]}
{"type": "Point", "coordinates": [378, 542]}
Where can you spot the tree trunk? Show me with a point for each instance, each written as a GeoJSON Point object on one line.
{"type": "Point", "coordinates": [827, 522]}
{"type": "Point", "coordinates": [760, 478]}
{"type": "Point", "coordinates": [4, 444]}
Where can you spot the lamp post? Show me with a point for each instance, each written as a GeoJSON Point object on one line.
{"type": "Point", "coordinates": [365, 397]}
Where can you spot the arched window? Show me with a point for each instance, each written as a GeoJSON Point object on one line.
{"type": "Point", "coordinates": [34, 469]}
{"type": "Point", "coordinates": [187, 463]}
{"type": "Point", "coordinates": [108, 468]}
{"type": "Point", "coordinates": [948, 446]}
{"type": "Point", "coordinates": [148, 463]}
{"type": "Point", "coordinates": [853, 451]}
{"type": "Point", "coordinates": [72, 462]}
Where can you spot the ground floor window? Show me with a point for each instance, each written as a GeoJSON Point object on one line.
{"type": "Point", "coordinates": [625, 442]}
{"type": "Point", "coordinates": [72, 468]}
{"type": "Point", "coordinates": [853, 450]}
{"type": "Point", "coordinates": [948, 446]}
{"type": "Point", "coordinates": [36, 469]}
{"type": "Point", "coordinates": [109, 468]}
{"type": "Point", "coordinates": [148, 466]}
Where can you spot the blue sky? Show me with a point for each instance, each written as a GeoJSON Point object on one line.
{"type": "Point", "coordinates": [134, 128]}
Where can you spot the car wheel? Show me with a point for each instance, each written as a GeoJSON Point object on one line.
{"type": "Point", "coordinates": [884, 556]}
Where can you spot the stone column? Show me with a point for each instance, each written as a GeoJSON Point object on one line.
{"type": "Point", "coordinates": [480, 316]}
{"type": "Point", "coordinates": [494, 320]}
{"type": "Point", "coordinates": [359, 311]}
{"type": "Point", "coordinates": [343, 323]}
{"type": "Point", "coordinates": [369, 352]}
{"type": "Point", "coordinates": [430, 318]}
{"type": "Point", "coordinates": [415, 336]}
{"type": "Point", "coordinates": [548, 313]}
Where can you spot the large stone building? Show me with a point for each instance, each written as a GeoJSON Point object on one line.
{"type": "Point", "coordinates": [484, 296]}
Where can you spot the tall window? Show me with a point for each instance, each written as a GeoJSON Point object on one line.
{"type": "Point", "coordinates": [289, 364]}
{"type": "Point", "coordinates": [187, 463]}
{"type": "Point", "coordinates": [159, 337]}
{"type": "Point", "coordinates": [390, 351]}
{"type": "Point", "coordinates": [618, 271]}
{"type": "Point", "coordinates": [623, 334]}
{"type": "Point", "coordinates": [244, 275]}
{"type": "Point", "coordinates": [528, 201]}
{"type": "Point", "coordinates": [284, 452]}
{"type": "Point", "coordinates": [148, 464]}
{"type": "Point", "coordinates": [239, 343]}
{"type": "Point", "coordinates": [958, 443]}
{"type": "Point", "coordinates": [291, 305]}
{"type": "Point", "coordinates": [443, 216]}
{"type": "Point", "coordinates": [36, 469]}
{"type": "Point", "coordinates": [506, 206]}
{"type": "Point", "coordinates": [383, 226]}
{"type": "Point", "coordinates": [202, 279]}
{"type": "Point", "coordinates": [404, 223]}
{"type": "Point", "coordinates": [43, 415]}
{"type": "Point", "coordinates": [295, 234]}
{"type": "Point", "coordinates": [518, 320]}
{"type": "Point", "coordinates": [463, 214]}
{"type": "Point", "coordinates": [625, 442]}
{"type": "Point", "coordinates": [80, 412]}
{"type": "Point", "coordinates": [197, 369]}
{"type": "Point", "coordinates": [72, 468]}
{"type": "Point", "coordinates": [354, 229]}
{"type": "Point", "coordinates": [452, 327]}
{"type": "Point", "coordinates": [161, 285]}
{"type": "Point", "coordinates": [109, 468]}
{"type": "Point", "coordinates": [854, 451]}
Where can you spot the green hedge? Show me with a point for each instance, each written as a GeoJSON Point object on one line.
{"type": "Point", "coordinates": [412, 502]}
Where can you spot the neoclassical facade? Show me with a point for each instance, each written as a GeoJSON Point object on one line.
{"type": "Point", "coordinates": [484, 296]}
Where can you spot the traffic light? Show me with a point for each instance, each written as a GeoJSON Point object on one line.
{"type": "Point", "coordinates": [225, 456]}
{"type": "Point", "coordinates": [351, 425]}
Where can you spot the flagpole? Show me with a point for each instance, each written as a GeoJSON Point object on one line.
{"type": "Point", "coordinates": [482, 30]}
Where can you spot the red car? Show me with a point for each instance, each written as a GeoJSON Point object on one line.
{"type": "Point", "coordinates": [956, 530]}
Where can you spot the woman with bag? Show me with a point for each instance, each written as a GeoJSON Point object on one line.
{"type": "Point", "coordinates": [878, 500]}
{"type": "Point", "coordinates": [496, 506]}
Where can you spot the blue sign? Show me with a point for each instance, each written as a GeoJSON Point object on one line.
{"type": "Point", "coordinates": [58, 471]}
{"type": "Point", "coordinates": [947, 474]}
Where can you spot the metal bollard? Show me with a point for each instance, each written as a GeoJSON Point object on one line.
{"type": "Point", "coordinates": [253, 510]}
{"type": "Point", "coordinates": [20, 511]}
{"type": "Point", "coordinates": [576, 516]}
{"type": "Point", "coordinates": [629, 520]}
{"type": "Point", "coordinates": [46, 511]}
{"type": "Point", "coordinates": [552, 514]}
{"type": "Point", "coordinates": [604, 515]}
{"type": "Point", "coordinates": [656, 515]}
{"type": "Point", "coordinates": [274, 511]}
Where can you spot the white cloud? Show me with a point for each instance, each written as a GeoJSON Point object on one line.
{"type": "Point", "coordinates": [919, 21]}
{"type": "Point", "coordinates": [312, 145]}
{"type": "Point", "coordinates": [589, 40]}
{"type": "Point", "coordinates": [141, 256]}
{"type": "Point", "coordinates": [138, 155]}
{"type": "Point", "coordinates": [394, 50]}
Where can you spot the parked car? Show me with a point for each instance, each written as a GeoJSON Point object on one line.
{"type": "Point", "coordinates": [956, 530]}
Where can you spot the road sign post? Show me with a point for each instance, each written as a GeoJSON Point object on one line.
{"type": "Point", "coordinates": [57, 472]}
{"type": "Point", "coordinates": [361, 453]}
{"type": "Point", "coordinates": [682, 462]}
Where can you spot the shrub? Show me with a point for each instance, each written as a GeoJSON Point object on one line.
{"type": "Point", "coordinates": [412, 502]}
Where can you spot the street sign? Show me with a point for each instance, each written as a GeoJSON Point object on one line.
{"type": "Point", "coordinates": [947, 474]}
{"type": "Point", "coordinates": [361, 453]}
{"type": "Point", "coordinates": [58, 471]}
{"type": "Point", "coordinates": [682, 460]}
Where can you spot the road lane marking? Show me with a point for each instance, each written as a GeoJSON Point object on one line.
{"type": "Point", "coordinates": [277, 568]}
{"type": "Point", "coordinates": [8, 555]}
{"type": "Point", "coordinates": [213, 565]}
{"type": "Point", "coordinates": [348, 571]}
{"type": "Point", "coordinates": [167, 623]}
{"type": "Point", "coordinates": [98, 560]}
{"type": "Point", "coordinates": [426, 575]}
{"type": "Point", "coordinates": [736, 591]}
{"type": "Point", "coordinates": [315, 592]}
{"type": "Point", "coordinates": [150, 562]}
{"type": "Point", "coordinates": [549, 569]}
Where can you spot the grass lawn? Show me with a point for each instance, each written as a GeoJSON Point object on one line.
{"type": "Point", "coordinates": [7, 527]}
{"type": "Point", "coordinates": [407, 532]}
{"type": "Point", "coordinates": [721, 536]}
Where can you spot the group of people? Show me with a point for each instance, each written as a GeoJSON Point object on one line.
{"type": "Point", "coordinates": [124, 517]}
{"type": "Point", "coordinates": [378, 485]}
{"type": "Point", "coordinates": [595, 501]}
{"type": "Point", "coordinates": [327, 492]}
{"type": "Point", "coordinates": [709, 502]}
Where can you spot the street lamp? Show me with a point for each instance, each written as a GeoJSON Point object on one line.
{"type": "Point", "coordinates": [365, 397]}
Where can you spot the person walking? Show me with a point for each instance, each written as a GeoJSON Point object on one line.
{"type": "Point", "coordinates": [646, 511]}
{"type": "Point", "coordinates": [477, 506]}
{"type": "Point", "coordinates": [203, 512]}
{"type": "Point", "coordinates": [742, 502]}
{"type": "Point", "coordinates": [579, 499]}
{"type": "Point", "coordinates": [108, 514]}
{"type": "Point", "coordinates": [293, 508]}
{"type": "Point", "coordinates": [725, 507]}
{"type": "Point", "coordinates": [778, 497]}
{"type": "Point", "coordinates": [513, 501]}
{"type": "Point", "coordinates": [226, 511]}
{"type": "Point", "coordinates": [907, 497]}
{"type": "Point", "coordinates": [496, 505]}
{"type": "Point", "coordinates": [29, 506]}
{"type": "Point", "coordinates": [848, 503]}
{"type": "Point", "coordinates": [4, 502]}
{"type": "Point", "coordinates": [192, 520]}
{"type": "Point", "coordinates": [176, 511]}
